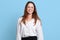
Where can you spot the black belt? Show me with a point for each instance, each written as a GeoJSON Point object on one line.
{"type": "Point", "coordinates": [29, 38]}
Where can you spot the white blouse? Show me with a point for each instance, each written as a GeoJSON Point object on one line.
{"type": "Point", "coordinates": [29, 29]}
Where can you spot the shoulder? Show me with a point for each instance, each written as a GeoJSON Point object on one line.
{"type": "Point", "coordinates": [19, 19]}
{"type": "Point", "coordinates": [39, 22]}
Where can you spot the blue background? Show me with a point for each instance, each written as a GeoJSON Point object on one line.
{"type": "Point", "coordinates": [48, 11]}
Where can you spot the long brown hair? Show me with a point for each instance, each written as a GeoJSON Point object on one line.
{"type": "Point", "coordinates": [34, 14]}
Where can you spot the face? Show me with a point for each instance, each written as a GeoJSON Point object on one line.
{"type": "Point", "coordinates": [30, 8]}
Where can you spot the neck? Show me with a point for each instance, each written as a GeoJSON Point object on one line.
{"type": "Point", "coordinates": [29, 17]}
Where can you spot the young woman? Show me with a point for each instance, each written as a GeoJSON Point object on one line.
{"type": "Point", "coordinates": [29, 25]}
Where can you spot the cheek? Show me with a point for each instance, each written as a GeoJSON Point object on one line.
{"type": "Point", "coordinates": [28, 9]}
{"type": "Point", "coordinates": [32, 9]}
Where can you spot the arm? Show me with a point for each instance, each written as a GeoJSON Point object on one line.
{"type": "Point", "coordinates": [39, 31]}
{"type": "Point", "coordinates": [18, 33]}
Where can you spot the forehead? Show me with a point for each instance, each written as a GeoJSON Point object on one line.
{"type": "Point", "coordinates": [30, 4]}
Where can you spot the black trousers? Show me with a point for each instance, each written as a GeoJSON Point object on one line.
{"type": "Point", "coordinates": [30, 38]}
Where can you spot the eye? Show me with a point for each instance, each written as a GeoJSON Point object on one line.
{"type": "Point", "coordinates": [28, 7]}
{"type": "Point", "coordinates": [31, 7]}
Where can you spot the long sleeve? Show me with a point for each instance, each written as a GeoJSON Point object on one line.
{"type": "Point", "coordinates": [18, 33]}
{"type": "Point", "coordinates": [39, 31]}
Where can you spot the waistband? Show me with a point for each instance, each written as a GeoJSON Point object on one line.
{"type": "Point", "coordinates": [30, 37]}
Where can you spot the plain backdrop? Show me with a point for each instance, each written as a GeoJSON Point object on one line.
{"type": "Point", "coordinates": [48, 11]}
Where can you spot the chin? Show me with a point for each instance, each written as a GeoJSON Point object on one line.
{"type": "Point", "coordinates": [30, 13]}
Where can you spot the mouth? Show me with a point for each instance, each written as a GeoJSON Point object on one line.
{"type": "Point", "coordinates": [31, 11]}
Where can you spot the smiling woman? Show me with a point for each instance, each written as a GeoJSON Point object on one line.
{"type": "Point", "coordinates": [29, 25]}
{"type": "Point", "coordinates": [30, 8]}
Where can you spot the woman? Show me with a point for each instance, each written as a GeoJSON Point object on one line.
{"type": "Point", "coordinates": [29, 25]}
